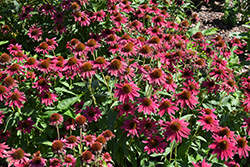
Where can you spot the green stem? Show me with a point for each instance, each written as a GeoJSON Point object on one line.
{"type": "Point", "coordinates": [58, 134]}
{"type": "Point", "coordinates": [171, 151]}
{"type": "Point", "coordinates": [91, 91]}
{"type": "Point", "coordinates": [175, 156]}
{"type": "Point", "coordinates": [220, 102]}
{"type": "Point", "coordinates": [181, 113]}
{"type": "Point", "coordinates": [80, 141]}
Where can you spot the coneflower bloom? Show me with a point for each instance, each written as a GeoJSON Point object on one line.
{"type": "Point", "coordinates": [145, 50]}
{"type": "Point", "coordinates": [232, 164]}
{"type": "Point", "coordinates": [78, 107]}
{"type": "Point", "coordinates": [201, 164]}
{"type": "Point", "coordinates": [70, 124]}
{"type": "Point", "coordinates": [52, 43]}
{"type": "Point", "coordinates": [208, 122]}
{"type": "Point", "coordinates": [41, 84]}
{"type": "Point", "coordinates": [236, 42]}
{"type": "Point", "coordinates": [5, 59]}
{"type": "Point", "coordinates": [71, 65]}
{"type": "Point", "coordinates": [57, 146]}
{"type": "Point", "coordinates": [185, 98]}
{"type": "Point", "coordinates": [47, 9]}
{"type": "Point", "coordinates": [86, 70]}
{"type": "Point", "coordinates": [15, 99]}
{"type": "Point", "coordinates": [211, 86]}
{"type": "Point", "coordinates": [38, 161]}
{"type": "Point", "coordinates": [3, 148]}
{"type": "Point", "coordinates": [87, 156]}
{"type": "Point", "coordinates": [167, 106]}
{"type": "Point", "coordinates": [148, 127]}
{"type": "Point", "coordinates": [4, 135]}
{"type": "Point", "coordinates": [223, 131]}
{"type": "Point", "coordinates": [43, 47]}
{"type": "Point", "coordinates": [126, 108]}
{"type": "Point", "coordinates": [100, 63]}
{"type": "Point", "coordinates": [9, 82]}
{"type": "Point", "coordinates": [136, 25]}
{"type": "Point", "coordinates": [241, 147]}
{"type": "Point", "coordinates": [208, 111]}
{"type": "Point", "coordinates": [107, 157]}
{"type": "Point", "coordinates": [218, 62]}
{"type": "Point", "coordinates": [159, 21]}
{"type": "Point", "coordinates": [108, 134]}
{"type": "Point", "coordinates": [16, 156]}
{"type": "Point", "coordinates": [4, 93]}
{"type": "Point", "coordinates": [176, 129]}
{"type": "Point", "coordinates": [156, 76]}
{"type": "Point", "coordinates": [187, 73]}
{"type": "Point", "coordinates": [58, 17]}
{"type": "Point", "coordinates": [15, 69]}
{"type": "Point", "coordinates": [118, 19]}
{"type": "Point", "coordinates": [19, 56]}
{"type": "Point", "coordinates": [147, 105]}
{"type": "Point", "coordinates": [128, 49]}
{"type": "Point", "coordinates": [223, 147]}
{"type": "Point", "coordinates": [35, 33]}
{"type": "Point", "coordinates": [13, 49]}
{"type": "Point", "coordinates": [128, 74]}
{"type": "Point", "coordinates": [111, 39]}
{"type": "Point", "coordinates": [92, 45]}
{"type": "Point", "coordinates": [71, 141]}
{"type": "Point", "coordinates": [56, 118]}
{"type": "Point", "coordinates": [169, 84]}
{"type": "Point", "coordinates": [126, 91]}
{"type": "Point", "coordinates": [31, 63]}
{"type": "Point", "coordinates": [54, 162]}
{"type": "Point", "coordinates": [89, 140]}
{"type": "Point", "coordinates": [25, 125]}
{"type": "Point", "coordinates": [69, 161]}
{"type": "Point", "coordinates": [229, 85]}
{"type": "Point", "coordinates": [48, 98]}
{"type": "Point", "coordinates": [154, 30]}
{"type": "Point", "coordinates": [154, 145]}
{"type": "Point", "coordinates": [247, 125]}
{"type": "Point", "coordinates": [92, 114]}
{"type": "Point", "coordinates": [99, 16]}
{"type": "Point", "coordinates": [116, 67]}
{"type": "Point", "coordinates": [219, 73]}
{"type": "Point", "coordinates": [1, 118]}
{"type": "Point", "coordinates": [132, 127]}
{"type": "Point", "coordinates": [80, 49]}
{"type": "Point", "coordinates": [192, 86]}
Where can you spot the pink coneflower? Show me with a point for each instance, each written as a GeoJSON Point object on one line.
{"type": "Point", "coordinates": [187, 73]}
{"type": "Point", "coordinates": [56, 118]}
{"type": "Point", "coordinates": [192, 86]}
{"type": "Point", "coordinates": [52, 43]}
{"type": "Point", "coordinates": [60, 28]}
{"type": "Point", "coordinates": [4, 93]}
{"type": "Point", "coordinates": [47, 9]}
{"type": "Point", "coordinates": [209, 112]}
{"type": "Point", "coordinates": [80, 121]}
{"type": "Point", "coordinates": [114, 49]}
{"type": "Point", "coordinates": [71, 141]}
{"type": "Point", "coordinates": [86, 70]}
{"type": "Point", "coordinates": [167, 106]}
{"type": "Point", "coordinates": [126, 91]}
{"type": "Point", "coordinates": [229, 85]}
{"type": "Point", "coordinates": [236, 42]}
{"type": "Point", "coordinates": [41, 84]}
{"type": "Point", "coordinates": [223, 131]}
{"type": "Point", "coordinates": [25, 125]}
{"type": "Point", "coordinates": [13, 49]}
{"type": "Point", "coordinates": [78, 107]}
{"type": "Point", "coordinates": [116, 67]}
{"type": "Point", "coordinates": [43, 47]}
{"type": "Point", "coordinates": [92, 114]}
{"type": "Point", "coordinates": [57, 146]}
{"type": "Point", "coordinates": [208, 122]}
{"type": "Point", "coordinates": [201, 164]}
{"type": "Point", "coordinates": [58, 17]}
{"type": "Point", "coordinates": [54, 162]}
{"type": "Point", "coordinates": [5, 59]}
{"type": "Point", "coordinates": [156, 76]}
{"type": "Point", "coordinates": [128, 74]}
{"type": "Point", "coordinates": [3, 148]}
{"type": "Point", "coordinates": [71, 65]}
{"type": "Point", "coordinates": [154, 30]}
{"type": "Point", "coordinates": [87, 156]}
{"type": "Point", "coordinates": [70, 124]}
{"type": "Point", "coordinates": [35, 33]}
{"type": "Point", "coordinates": [118, 19]}
{"type": "Point", "coordinates": [223, 146]}
{"type": "Point", "coordinates": [169, 84]}
{"type": "Point", "coordinates": [16, 156]}
{"type": "Point", "coordinates": [80, 49]}
{"type": "Point", "coordinates": [155, 144]}
{"type": "Point", "coordinates": [92, 45]}
{"type": "Point", "coordinates": [15, 99]}
{"type": "Point", "coordinates": [147, 105]}
{"type": "Point", "coordinates": [15, 69]}
{"type": "Point", "coordinates": [211, 86]}
{"type": "Point", "coordinates": [10, 82]}
{"type": "Point", "coordinates": [100, 63]}
{"type": "Point", "coordinates": [31, 63]}
{"type": "Point", "coordinates": [107, 157]}
{"type": "Point", "coordinates": [242, 147]}
{"type": "Point", "coordinates": [5, 29]}
{"type": "Point", "coordinates": [218, 62]}
{"type": "Point", "coordinates": [131, 126]}
{"type": "Point", "coordinates": [128, 50]}
{"type": "Point", "coordinates": [176, 129]}
{"type": "Point", "coordinates": [69, 161]}
{"type": "Point", "coordinates": [19, 56]}
{"type": "Point", "coordinates": [89, 140]}
{"type": "Point", "coordinates": [147, 126]}
{"type": "Point", "coordinates": [159, 21]}
{"type": "Point", "coordinates": [48, 98]}
{"type": "Point", "coordinates": [99, 16]}
{"type": "Point", "coordinates": [219, 73]}
{"type": "Point", "coordinates": [185, 98]}
{"type": "Point", "coordinates": [127, 108]}
{"type": "Point", "coordinates": [108, 134]}
{"type": "Point", "coordinates": [38, 161]}
{"type": "Point", "coordinates": [145, 51]}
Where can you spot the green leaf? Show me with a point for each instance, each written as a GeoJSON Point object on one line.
{"type": "Point", "coordinates": [248, 26]}
{"type": "Point", "coordinates": [3, 42]}
{"type": "Point", "coordinates": [48, 143]}
{"type": "Point", "coordinates": [201, 138]}
{"type": "Point", "coordinates": [64, 83]}
{"type": "Point", "coordinates": [49, 113]}
{"type": "Point", "coordinates": [59, 89]}
{"type": "Point", "coordinates": [81, 84]}
{"type": "Point", "coordinates": [187, 116]}
{"type": "Point", "coordinates": [64, 104]}
{"type": "Point", "coordinates": [210, 31]}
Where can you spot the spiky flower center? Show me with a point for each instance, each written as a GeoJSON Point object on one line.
{"type": "Point", "coordinates": [208, 120]}
{"type": "Point", "coordinates": [200, 61]}
{"type": "Point", "coordinates": [158, 19]}
{"type": "Point", "coordinates": [59, 64]}
{"type": "Point", "coordinates": [155, 40]}
{"type": "Point", "coordinates": [242, 142]}
{"type": "Point", "coordinates": [231, 82]}
{"type": "Point", "coordinates": [41, 82]}
{"type": "Point", "coordinates": [9, 81]}
{"type": "Point", "coordinates": [2, 89]}
{"type": "Point", "coordinates": [70, 121]}
{"type": "Point", "coordinates": [18, 154]}
{"type": "Point", "coordinates": [34, 32]}
{"type": "Point", "coordinates": [111, 37]}
{"type": "Point", "coordinates": [101, 139]}
{"type": "Point", "coordinates": [87, 66]}
{"type": "Point", "coordinates": [45, 64]}
{"type": "Point", "coordinates": [87, 155]}
{"type": "Point", "coordinates": [185, 95]}
{"type": "Point", "coordinates": [116, 64]}
{"type": "Point", "coordinates": [57, 145]}
{"type": "Point", "coordinates": [36, 160]}
{"type": "Point", "coordinates": [126, 88]}
{"type": "Point", "coordinates": [5, 58]}
{"type": "Point", "coordinates": [100, 60]}
{"type": "Point", "coordinates": [43, 46]}
{"type": "Point", "coordinates": [47, 95]}
{"type": "Point", "coordinates": [126, 107]}
{"type": "Point", "coordinates": [224, 131]}
{"type": "Point", "coordinates": [91, 112]}
{"type": "Point", "coordinates": [107, 133]}
{"type": "Point", "coordinates": [55, 117]}
{"type": "Point", "coordinates": [89, 138]}
{"type": "Point", "coordinates": [208, 111]}
{"type": "Point", "coordinates": [91, 43]}
{"type": "Point", "coordinates": [169, 80]}
{"type": "Point", "coordinates": [191, 86]}
{"type": "Point", "coordinates": [175, 126]}
{"type": "Point", "coordinates": [72, 61]}
{"type": "Point", "coordinates": [55, 162]}
{"type": "Point", "coordinates": [128, 47]}
{"type": "Point", "coordinates": [157, 73]}
{"type": "Point", "coordinates": [198, 35]}
{"type": "Point", "coordinates": [96, 146]}
{"type": "Point", "coordinates": [145, 49]}
{"type": "Point", "coordinates": [80, 120]}
{"type": "Point", "coordinates": [147, 102]}
{"type": "Point", "coordinates": [25, 124]}
{"type": "Point", "coordinates": [223, 145]}
{"type": "Point", "coordinates": [148, 125]}
{"type": "Point", "coordinates": [14, 67]}
{"type": "Point", "coordinates": [165, 104]}
{"type": "Point", "coordinates": [15, 96]}
{"type": "Point", "coordinates": [154, 142]}
{"type": "Point", "coordinates": [68, 159]}
{"type": "Point", "coordinates": [71, 139]}
{"type": "Point", "coordinates": [31, 61]}
{"type": "Point", "coordinates": [80, 47]}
